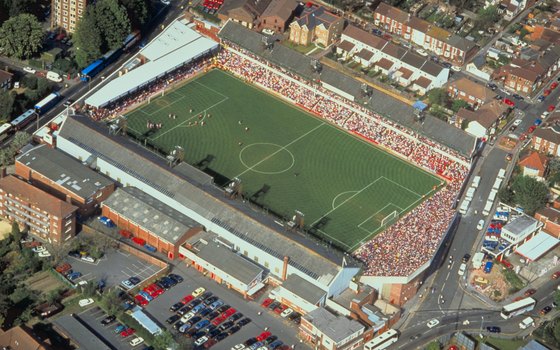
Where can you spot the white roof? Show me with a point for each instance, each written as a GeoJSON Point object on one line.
{"type": "Point", "coordinates": [175, 36]}
{"type": "Point", "coordinates": [169, 57]}
{"type": "Point", "coordinates": [537, 246]}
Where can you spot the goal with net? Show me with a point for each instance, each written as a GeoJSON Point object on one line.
{"type": "Point", "coordinates": [391, 217]}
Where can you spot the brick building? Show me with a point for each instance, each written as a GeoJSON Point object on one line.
{"type": "Point", "coordinates": [547, 140]}
{"type": "Point", "coordinates": [316, 25]}
{"type": "Point", "coordinates": [150, 220]}
{"type": "Point", "coordinates": [534, 165]}
{"type": "Point", "coordinates": [65, 178]}
{"type": "Point", "coordinates": [66, 13]}
{"type": "Point", "coordinates": [473, 93]}
{"type": "Point", "coordinates": [46, 216]}
{"type": "Point", "coordinates": [21, 338]}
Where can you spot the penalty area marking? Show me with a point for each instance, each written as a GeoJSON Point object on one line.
{"type": "Point", "coordinates": [338, 195]}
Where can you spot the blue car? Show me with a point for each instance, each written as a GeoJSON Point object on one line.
{"type": "Point", "coordinates": [216, 304]}
{"type": "Point", "coordinates": [74, 275]}
{"type": "Point", "coordinates": [275, 344]}
{"type": "Point", "coordinates": [197, 308]}
{"type": "Point", "coordinates": [120, 328]}
{"type": "Point", "coordinates": [146, 295]}
{"type": "Point", "coordinates": [201, 324]}
{"type": "Point", "coordinates": [204, 312]}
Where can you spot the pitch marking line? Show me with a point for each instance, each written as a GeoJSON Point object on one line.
{"type": "Point", "coordinates": [169, 105]}
{"type": "Point", "coordinates": [278, 151]}
{"type": "Point", "coordinates": [406, 188]}
{"type": "Point", "coordinates": [338, 195]}
{"type": "Point", "coordinates": [345, 201]}
{"type": "Point", "coordinates": [209, 88]}
{"type": "Point", "coordinates": [332, 238]}
{"type": "Point", "coordinates": [189, 119]}
{"type": "Point", "coordinates": [377, 212]}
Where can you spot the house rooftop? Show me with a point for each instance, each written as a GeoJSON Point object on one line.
{"type": "Point", "coordinates": [337, 328]}
{"type": "Point", "coordinates": [472, 88]}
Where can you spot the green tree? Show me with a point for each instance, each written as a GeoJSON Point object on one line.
{"type": "Point", "coordinates": [87, 38]}
{"type": "Point", "coordinates": [435, 345]}
{"type": "Point", "coordinates": [6, 105]}
{"type": "Point", "coordinates": [16, 235]}
{"type": "Point", "coordinates": [557, 332]}
{"type": "Point", "coordinates": [557, 299]}
{"type": "Point", "coordinates": [458, 104]}
{"type": "Point", "coordinates": [137, 12]}
{"type": "Point", "coordinates": [486, 17]}
{"type": "Point", "coordinates": [21, 36]}
{"type": "Point", "coordinates": [163, 341]}
{"type": "Point", "coordinates": [506, 195]}
{"type": "Point", "coordinates": [29, 81]}
{"type": "Point", "coordinates": [88, 290]}
{"type": "Point", "coordinates": [112, 21]}
{"type": "Point", "coordinates": [438, 96]}
{"type": "Point", "coordinates": [529, 193]}
{"type": "Point", "coordinates": [111, 301]}
{"type": "Point", "coordinates": [21, 138]}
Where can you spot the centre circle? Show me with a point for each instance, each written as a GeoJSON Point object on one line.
{"type": "Point", "coordinates": [266, 158]}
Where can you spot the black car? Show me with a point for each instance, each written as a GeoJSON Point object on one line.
{"type": "Point", "coordinates": [167, 282]}
{"type": "Point", "coordinates": [493, 329]}
{"type": "Point", "coordinates": [244, 322]}
{"type": "Point", "coordinates": [546, 310]}
{"type": "Point", "coordinates": [270, 339]}
{"type": "Point", "coordinates": [221, 336]}
{"type": "Point", "coordinates": [226, 325]}
{"type": "Point", "coordinates": [178, 324]}
{"type": "Point", "coordinates": [517, 97]}
{"type": "Point", "coordinates": [213, 315]}
{"type": "Point", "coordinates": [214, 333]}
{"type": "Point", "coordinates": [108, 320]}
{"type": "Point", "coordinates": [210, 300]}
{"type": "Point", "coordinates": [274, 305]}
{"type": "Point", "coordinates": [466, 258]}
{"type": "Point", "coordinates": [206, 295]}
{"type": "Point", "coordinates": [297, 320]}
{"type": "Point", "coordinates": [68, 102]}
{"type": "Point", "coordinates": [414, 337]}
{"type": "Point", "coordinates": [176, 307]}
{"type": "Point", "coordinates": [75, 254]}
{"type": "Point", "coordinates": [377, 32]}
{"type": "Point", "coordinates": [191, 332]}
{"type": "Point", "coordinates": [223, 308]}
{"type": "Point", "coordinates": [499, 97]}
{"type": "Point", "coordinates": [176, 277]}
{"type": "Point", "coordinates": [446, 64]}
{"type": "Point", "coordinates": [204, 312]}
{"type": "Point", "coordinates": [250, 341]}
{"type": "Point", "coordinates": [210, 328]}
{"type": "Point", "coordinates": [234, 329]}
{"type": "Point", "coordinates": [182, 311]}
{"type": "Point", "coordinates": [134, 280]}
{"type": "Point", "coordinates": [173, 319]}
{"type": "Point", "coordinates": [194, 320]}
{"type": "Point", "coordinates": [294, 315]}
{"type": "Point", "coordinates": [235, 317]}
{"type": "Point", "coordinates": [198, 334]}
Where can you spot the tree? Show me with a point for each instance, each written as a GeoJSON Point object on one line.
{"type": "Point", "coordinates": [112, 21]}
{"type": "Point", "coordinates": [529, 193]}
{"type": "Point", "coordinates": [435, 345]}
{"type": "Point", "coordinates": [506, 195]}
{"type": "Point", "coordinates": [458, 104]}
{"type": "Point", "coordinates": [557, 299]}
{"type": "Point", "coordinates": [29, 81]}
{"type": "Point", "coordinates": [16, 235]}
{"type": "Point", "coordinates": [137, 11]}
{"type": "Point", "coordinates": [21, 36]}
{"type": "Point", "coordinates": [21, 138]}
{"type": "Point", "coordinates": [163, 341]}
{"type": "Point", "coordinates": [6, 105]}
{"type": "Point", "coordinates": [486, 17]}
{"type": "Point", "coordinates": [438, 96]}
{"type": "Point", "coordinates": [87, 38]}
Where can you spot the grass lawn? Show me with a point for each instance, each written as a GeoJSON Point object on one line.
{"type": "Point", "coordinates": [514, 281]}
{"type": "Point", "coordinates": [287, 159]}
{"type": "Point", "coordinates": [505, 344]}
{"type": "Point", "coordinates": [300, 48]}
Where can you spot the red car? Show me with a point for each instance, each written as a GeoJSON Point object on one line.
{"type": "Point", "coordinates": [209, 343]}
{"type": "Point", "coordinates": [187, 299]}
{"type": "Point", "coordinates": [554, 85]}
{"type": "Point", "coordinates": [280, 309]}
{"type": "Point", "coordinates": [509, 102]}
{"type": "Point", "coordinates": [140, 300]}
{"type": "Point", "coordinates": [127, 332]}
{"type": "Point", "coordinates": [530, 292]}
{"type": "Point", "coordinates": [546, 92]}
{"type": "Point", "coordinates": [556, 275]}
{"type": "Point", "coordinates": [531, 129]}
{"type": "Point", "coordinates": [229, 312]}
{"type": "Point", "coordinates": [551, 108]}
{"type": "Point", "coordinates": [267, 302]}
{"type": "Point", "coordinates": [219, 320]}
{"type": "Point", "coordinates": [154, 290]}
{"type": "Point", "coordinates": [264, 335]}
{"type": "Point", "coordinates": [507, 264]}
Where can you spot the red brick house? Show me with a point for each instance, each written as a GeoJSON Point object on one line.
{"type": "Point", "coordinates": [547, 140]}
{"type": "Point", "coordinates": [534, 165]}
{"type": "Point", "coordinates": [473, 93]}
{"type": "Point", "coordinates": [551, 219]}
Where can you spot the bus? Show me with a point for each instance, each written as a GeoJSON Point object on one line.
{"type": "Point", "coordinates": [97, 66]}
{"type": "Point", "coordinates": [5, 130]}
{"type": "Point", "coordinates": [24, 119]}
{"type": "Point", "coordinates": [382, 341]}
{"type": "Point", "coordinates": [517, 308]}
{"type": "Point", "coordinates": [47, 103]}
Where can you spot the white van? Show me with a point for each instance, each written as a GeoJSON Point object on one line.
{"type": "Point", "coordinates": [464, 206]}
{"type": "Point", "coordinates": [487, 207]}
{"type": "Point", "coordinates": [54, 76]}
{"type": "Point", "coordinates": [476, 181]}
{"type": "Point", "coordinates": [501, 173]}
{"type": "Point", "coordinates": [526, 323]}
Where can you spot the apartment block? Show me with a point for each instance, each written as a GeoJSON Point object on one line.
{"type": "Point", "coordinates": [47, 217]}
{"type": "Point", "coordinates": [66, 13]}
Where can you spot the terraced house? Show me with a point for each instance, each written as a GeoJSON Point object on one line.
{"type": "Point", "coordinates": [316, 25]}
{"type": "Point", "coordinates": [424, 34]}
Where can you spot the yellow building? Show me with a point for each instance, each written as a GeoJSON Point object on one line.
{"type": "Point", "coordinates": [316, 25]}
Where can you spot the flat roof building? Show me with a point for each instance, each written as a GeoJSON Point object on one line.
{"type": "Point", "coordinates": [65, 178]}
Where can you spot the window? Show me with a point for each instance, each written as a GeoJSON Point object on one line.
{"type": "Point", "coordinates": [245, 253]}
{"type": "Point", "coordinates": [276, 270]}
{"type": "Point", "coordinates": [266, 264]}
{"type": "Point", "coordinates": [256, 259]}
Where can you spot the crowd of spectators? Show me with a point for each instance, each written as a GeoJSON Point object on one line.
{"type": "Point", "coordinates": [412, 240]}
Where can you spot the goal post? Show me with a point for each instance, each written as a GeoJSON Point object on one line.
{"type": "Point", "coordinates": [394, 215]}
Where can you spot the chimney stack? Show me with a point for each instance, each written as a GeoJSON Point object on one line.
{"type": "Point", "coordinates": [285, 268]}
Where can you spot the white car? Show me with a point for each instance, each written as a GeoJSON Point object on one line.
{"type": "Point", "coordinates": [462, 269]}
{"type": "Point", "coordinates": [480, 225]}
{"type": "Point", "coordinates": [187, 317]}
{"type": "Point", "coordinates": [38, 249]}
{"type": "Point", "coordinates": [238, 347]}
{"type": "Point", "coordinates": [29, 70]}
{"type": "Point", "coordinates": [545, 114]}
{"type": "Point", "coordinates": [165, 2]}
{"type": "Point", "coordinates": [88, 258]}
{"type": "Point", "coordinates": [516, 122]}
{"type": "Point", "coordinates": [456, 68]}
{"type": "Point", "coordinates": [286, 312]}
{"type": "Point", "coordinates": [82, 283]}
{"type": "Point", "coordinates": [421, 52]}
{"type": "Point", "coordinates": [197, 292]}
{"type": "Point", "coordinates": [85, 302]}
{"type": "Point", "coordinates": [44, 254]}
{"type": "Point", "coordinates": [432, 323]}
{"type": "Point", "coordinates": [127, 284]}
{"type": "Point", "coordinates": [136, 341]}
{"type": "Point", "coordinates": [201, 341]}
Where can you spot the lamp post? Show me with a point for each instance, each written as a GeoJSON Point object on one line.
{"type": "Point", "coordinates": [481, 324]}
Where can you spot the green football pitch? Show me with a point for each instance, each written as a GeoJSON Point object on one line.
{"type": "Point", "coordinates": [287, 159]}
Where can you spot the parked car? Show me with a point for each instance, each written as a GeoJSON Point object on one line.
{"type": "Point", "coordinates": [556, 275]}
{"type": "Point", "coordinates": [235, 317]}
{"type": "Point", "coordinates": [509, 102]}
{"type": "Point", "coordinates": [173, 318]}
{"type": "Point", "coordinates": [234, 329]}
{"type": "Point", "coordinates": [221, 336]}
{"type": "Point", "coordinates": [140, 300]}
{"type": "Point", "coordinates": [493, 329]}
{"type": "Point", "coordinates": [175, 277]}
{"type": "Point", "coordinates": [226, 325]}
{"type": "Point", "coordinates": [267, 302]}
{"type": "Point", "coordinates": [244, 321]}
{"type": "Point", "coordinates": [108, 320]}
{"type": "Point", "coordinates": [286, 312]}
{"type": "Point", "coordinates": [29, 70]}
{"type": "Point", "coordinates": [176, 306]}
{"type": "Point", "coordinates": [136, 341]}
{"type": "Point", "coordinates": [223, 308]}
{"type": "Point", "coordinates": [466, 258]}
{"type": "Point", "coordinates": [197, 292]}
{"type": "Point", "coordinates": [274, 305]}
{"type": "Point", "coordinates": [85, 302]}
{"type": "Point", "coordinates": [210, 300]}
{"type": "Point", "coordinates": [178, 324]}
{"type": "Point", "coordinates": [119, 328]}
{"type": "Point", "coordinates": [545, 310]}
{"type": "Point", "coordinates": [530, 292]}
{"type": "Point", "coordinates": [264, 335]}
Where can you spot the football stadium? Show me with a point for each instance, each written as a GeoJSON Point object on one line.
{"type": "Point", "coordinates": [286, 159]}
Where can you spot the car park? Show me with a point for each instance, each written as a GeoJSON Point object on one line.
{"type": "Point", "coordinates": [432, 323]}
